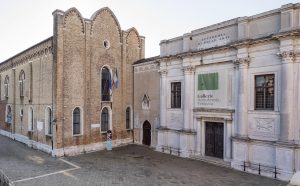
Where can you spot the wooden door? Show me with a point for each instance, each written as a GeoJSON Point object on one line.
{"type": "Point", "coordinates": [146, 133]}
{"type": "Point", "coordinates": [214, 133]}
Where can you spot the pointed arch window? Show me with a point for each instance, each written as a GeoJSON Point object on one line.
{"type": "Point", "coordinates": [48, 121]}
{"type": "Point", "coordinates": [104, 120]}
{"type": "Point", "coordinates": [22, 83]}
{"type": "Point", "coordinates": [128, 118]}
{"type": "Point", "coordinates": [6, 84]}
{"type": "Point", "coordinates": [76, 121]}
{"type": "Point", "coordinates": [106, 84]}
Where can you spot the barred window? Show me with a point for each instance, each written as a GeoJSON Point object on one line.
{"type": "Point", "coordinates": [106, 84]}
{"type": "Point", "coordinates": [104, 120]}
{"type": "Point", "coordinates": [76, 121]}
{"type": "Point", "coordinates": [128, 118]}
{"type": "Point", "coordinates": [264, 92]}
{"type": "Point", "coordinates": [6, 84]}
{"type": "Point", "coordinates": [21, 83]}
{"type": "Point", "coordinates": [176, 95]}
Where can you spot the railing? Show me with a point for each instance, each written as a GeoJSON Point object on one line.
{"type": "Point", "coordinates": [171, 149]}
{"type": "Point", "coordinates": [261, 168]}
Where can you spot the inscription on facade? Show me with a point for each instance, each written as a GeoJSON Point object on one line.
{"type": "Point", "coordinates": [213, 41]}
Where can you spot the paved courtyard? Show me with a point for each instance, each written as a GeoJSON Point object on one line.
{"type": "Point", "coordinates": [129, 165]}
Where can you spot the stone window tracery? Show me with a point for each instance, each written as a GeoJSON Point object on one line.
{"type": "Point", "coordinates": [6, 85]}
{"type": "Point", "coordinates": [22, 83]}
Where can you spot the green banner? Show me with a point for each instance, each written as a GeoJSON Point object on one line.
{"type": "Point", "coordinates": [208, 81]}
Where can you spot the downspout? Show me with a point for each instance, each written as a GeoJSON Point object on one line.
{"type": "Point", "coordinates": [52, 104]}
{"type": "Point", "coordinates": [133, 96]}
{"type": "Point", "coordinates": [14, 101]}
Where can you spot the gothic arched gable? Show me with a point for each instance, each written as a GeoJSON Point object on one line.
{"type": "Point", "coordinates": [105, 20]}
{"type": "Point", "coordinates": [73, 20]}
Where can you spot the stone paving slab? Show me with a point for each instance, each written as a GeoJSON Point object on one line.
{"type": "Point", "coordinates": [128, 165]}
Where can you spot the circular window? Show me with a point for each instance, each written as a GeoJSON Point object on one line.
{"type": "Point", "coordinates": [106, 44]}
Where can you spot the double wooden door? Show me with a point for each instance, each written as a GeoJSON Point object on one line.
{"type": "Point", "coordinates": [214, 139]}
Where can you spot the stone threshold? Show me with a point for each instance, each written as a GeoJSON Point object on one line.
{"type": "Point", "coordinates": [213, 160]}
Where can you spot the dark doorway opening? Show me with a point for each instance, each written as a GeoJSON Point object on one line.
{"type": "Point", "coordinates": [146, 133]}
{"type": "Point", "coordinates": [214, 141]}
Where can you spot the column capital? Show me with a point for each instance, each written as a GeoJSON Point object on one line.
{"type": "Point", "coordinates": [241, 62]}
{"type": "Point", "coordinates": [163, 72]}
{"type": "Point", "coordinates": [288, 56]}
{"type": "Point", "coordinates": [188, 69]}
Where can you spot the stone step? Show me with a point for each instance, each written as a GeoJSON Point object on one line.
{"type": "Point", "coordinates": [212, 160]}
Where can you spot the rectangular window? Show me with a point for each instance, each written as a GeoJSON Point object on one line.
{"type": "Point", "coordinates": [264, 92]}
{"type": "Point", "coordinates": [176, 95]}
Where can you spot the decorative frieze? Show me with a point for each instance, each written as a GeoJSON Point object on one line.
{"type": "Point", "coordinates": [41, 49]}
{"type": "Point", "coordinates": [145, 68]}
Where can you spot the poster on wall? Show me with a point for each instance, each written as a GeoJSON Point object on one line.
{"type": "Point", "coordinates": [8, 115]}
{"type": "Point", "coordinates": [211, 89]}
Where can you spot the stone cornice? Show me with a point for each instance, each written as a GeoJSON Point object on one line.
{"type": "Point", "coordinates": [231, 46]}
{"type": "Point", "coordinates": [43, 48]}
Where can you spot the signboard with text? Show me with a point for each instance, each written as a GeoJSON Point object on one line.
{"type": "Point", "coordinates": [211, 90]}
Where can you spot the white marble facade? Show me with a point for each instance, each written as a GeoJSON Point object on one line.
{"type": "Point", "coordinates": [236, 52]}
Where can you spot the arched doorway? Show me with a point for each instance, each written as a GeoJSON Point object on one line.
{"type": "Point", "coordinates": [146, 133]}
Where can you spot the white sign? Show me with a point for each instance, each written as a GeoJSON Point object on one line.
{"type": "Point", "coordinates": [214, 93]}
{"type": "Point", "coordinates": [40, 125]}
{"type": "Point", "coordinates": [95, 125]}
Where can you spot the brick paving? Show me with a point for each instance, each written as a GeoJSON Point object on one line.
{"type": "Point", "coordinates": [128, 165]}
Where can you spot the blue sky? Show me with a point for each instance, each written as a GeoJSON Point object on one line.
{"type": "Point", "coordinates": [25, 23]}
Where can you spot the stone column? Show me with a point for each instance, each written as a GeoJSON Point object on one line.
{"type": "Point", "coordinates": [163, 98]}
{"type": "Point", "coordinates": [198, 136]}
{"type": "Point", "coordinates": [188, 97]}
{"type": "Point", "coordinates": [241, 78]}
{"type": "Point", "coordinates": [287, 97]}
{"type": "Point", "coordinates": [161, 134]}
{"type": "Point", "coordinates": [227, 141]}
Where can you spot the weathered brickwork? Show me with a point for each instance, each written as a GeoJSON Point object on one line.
{"type": "Point", "coordinates": [63, 73]}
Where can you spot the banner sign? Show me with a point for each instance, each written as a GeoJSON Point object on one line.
{"type": "Point", "coordinates": [211, 90]}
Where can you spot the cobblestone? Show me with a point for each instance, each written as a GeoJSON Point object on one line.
{"type": "Point", "coordinates": [128, 165]}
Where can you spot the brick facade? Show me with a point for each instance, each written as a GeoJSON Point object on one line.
{"type": "Point", "coordinates": [63, 73]}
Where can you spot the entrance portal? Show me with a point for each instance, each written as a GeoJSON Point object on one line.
{"type": "Point", "coordinates": [146, 133]}
{"type": "Point", "coordinates": [214, 133]}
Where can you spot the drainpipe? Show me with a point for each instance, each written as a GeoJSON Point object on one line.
{"type": "Point", "coordinates": [14, 102]}
{"type": "Point", "coordinates": [133, 96]}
